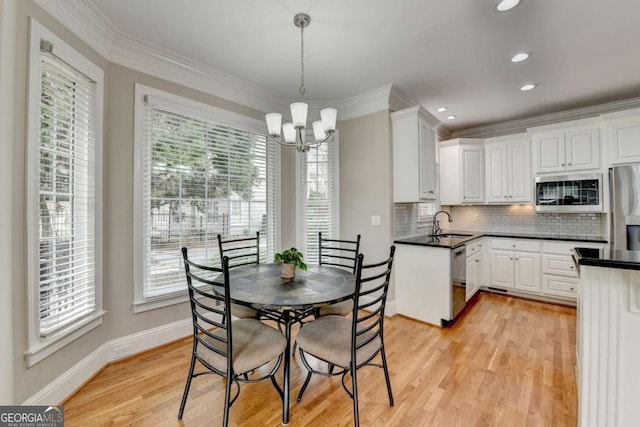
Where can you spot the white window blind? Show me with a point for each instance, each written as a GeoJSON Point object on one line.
{"type": "Point", "coordinates": [317, 197]}
{"type": "Point", "coordinates": [200, 178]}
{"type": "Point", "coordinates": [66, 196]}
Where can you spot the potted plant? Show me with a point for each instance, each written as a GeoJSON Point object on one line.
{"type": "Point", "coordinates": [289, 260]}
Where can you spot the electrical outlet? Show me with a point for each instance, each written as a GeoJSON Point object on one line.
{"type": "Point", "coordinates": [120, 351]}
{"type": "Point", "coordinates": [375, 220]}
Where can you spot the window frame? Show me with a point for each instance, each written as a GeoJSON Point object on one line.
{"type": "Point", "coordinates": [38, 347]}
{"type": "Point", "coordinates": [301, 185]}
{"type": "Point", "coordinates": [183, 106]}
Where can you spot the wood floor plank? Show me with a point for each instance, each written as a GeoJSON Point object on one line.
{"type": "Point", "coordinates": [506, 362]}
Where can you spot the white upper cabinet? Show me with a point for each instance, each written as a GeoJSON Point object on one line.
{"type": "Point", "coordinates": [622, 135]}
{"type": "Point", "coordinates": [461, 171]}
{"type": "Point", "coordinates": [566, 147]}
{"type": "Point", "coordinates": [508, 169]}
{"type": "Point", "coordinates": [414, 155]}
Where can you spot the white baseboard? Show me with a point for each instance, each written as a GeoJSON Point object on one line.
{"type": "Point", "coordinates": [60, 388]}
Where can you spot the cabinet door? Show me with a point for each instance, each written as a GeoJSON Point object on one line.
{"type": "Point", "coordinates": [472, 274]}
{"type": "Point", "coordinates": [527, 271]}
{"type": "Point", "coordinates": [550, 155]}
{"type": "Point", "coordinates": [623, 136]}
{"type": "Point", "coordinates": [519, 172]}
{"type": "Point", "coordinates": [427, 171]}
{"type": "Point", "coordinates": [496, 173]}
{"type": "Point", "coordinates": [502, 269]}
{"type": "Point", "coordinates": [583, 149]}
{"type": "Point", "coordinates": [472, 174]}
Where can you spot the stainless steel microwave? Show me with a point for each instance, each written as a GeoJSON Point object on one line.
{"type": "Point", "coordinates": [568, 193]}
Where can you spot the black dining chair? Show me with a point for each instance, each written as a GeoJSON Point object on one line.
{"type": "Point", "coordinates": [242, 251]}
{"type": "Point", "coordinates": [338, 253]}
{"type": "Point", "coordinates": [230, 349]}
{"type": "Point", "coordinates": [350, 344]}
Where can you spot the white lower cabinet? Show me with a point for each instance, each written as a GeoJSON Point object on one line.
{"type": "Point", "coordinates": [515, 264]}
{"type": "Point", "coordinates": [559, 274]}
{"type": "Point", "coordinates": [475, 268]}
{"type": "Point", "coordinates": [536, 267]}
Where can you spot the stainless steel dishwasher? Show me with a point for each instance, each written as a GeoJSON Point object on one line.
{"type": "Point", "coordinates": [458, 280]}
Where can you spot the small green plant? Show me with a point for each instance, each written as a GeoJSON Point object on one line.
{"type": "Point", "coordinates": [290, 256]}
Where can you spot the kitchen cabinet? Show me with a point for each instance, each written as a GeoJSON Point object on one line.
{"type": "Point", "coordinates": [475, 268]}
{"type": "Point", "coordinates": [622, 136]}
{"type": "Point", "coordinates": [559, 274]}
{"type": "Point", "coordinates": [461, 171]}
{"type": "Point", "coordinates": [566, 147]}
{"type": "Point", "coordinates": [508, 169]}
{"type": "Point", "coordinates": [515, 264]}
{"type": "Point", "coordinates": [414, 155]}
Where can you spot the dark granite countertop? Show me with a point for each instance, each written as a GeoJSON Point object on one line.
{"type": "Point", "coordinates": [467, 236]}
{"type": "Point", "coordinates": [628, 260]}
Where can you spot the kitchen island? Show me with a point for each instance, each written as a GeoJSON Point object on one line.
{"type": "Point", "coordinates": [608, 341]}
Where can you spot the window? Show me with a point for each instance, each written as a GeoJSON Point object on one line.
{"type": "Point", "coordinates": [317, 198]}
{"type": "Point", "coordinates": [64, 196]}
{"type": "Point", "coordinates": [201, 171]}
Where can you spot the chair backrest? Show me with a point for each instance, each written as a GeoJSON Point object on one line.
{"type": "Point", "coordinates": [370, 300]}
{"type": "Point", "coordinates": [340, 253]}
{"type": "Point", "coordinates": [206, 310]}
{"type": "Point", "coordinates": [243, 251]}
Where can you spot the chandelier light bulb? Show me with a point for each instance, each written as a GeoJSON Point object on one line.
{"type": "Point", "coordinates": [289, 132]}
{"type": "Point", "coordinates": [299, 114]}
{"type": "Point", "coordinates": [329, 117]}
{"type": "Point", "coordinates": [274, 121]}
{"type": "Point", "coordinates": [318, 130]}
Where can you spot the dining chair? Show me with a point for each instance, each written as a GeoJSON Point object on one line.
{"type": "Point", "coordinates": [230, 349]}
{"type": "Point", "coordinates": [338, 253]}
{"type": "Point", "coordinates": [351, 343]}
{"type": "Point", "coordinates": [241, 252]}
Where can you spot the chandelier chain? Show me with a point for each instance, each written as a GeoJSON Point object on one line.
{"type": "Point", "coordinates": [302, 90]}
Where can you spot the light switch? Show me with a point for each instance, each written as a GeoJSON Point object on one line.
{"type": "Point", "coordinates": [375, 219]}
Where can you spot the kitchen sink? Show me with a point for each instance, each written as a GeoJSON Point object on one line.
{"type": "Point", "coordinates": [455, 235]}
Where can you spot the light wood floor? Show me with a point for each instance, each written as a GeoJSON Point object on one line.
{"type": "Point", "coordinates": [506, 362]}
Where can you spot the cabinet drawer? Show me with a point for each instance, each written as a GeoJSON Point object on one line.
{"type": "Point", "coordinates": [474, 248]}
{"type": "Point", "coordinates": [560, 286]}
{"type": "Point", "coordinates": [516, 245]}
{"type": "Point", "coordinates": [566, 247]}
{"type": "Point", "coordinates": [559, 264]}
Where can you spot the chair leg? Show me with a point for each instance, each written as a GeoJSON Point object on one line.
{"type": "Point", "coordinates": [188, 384]}
{"type": "Point", "coordinates": [304, 386]}
{"type": "Point", "coordinates": [354, 385]}
{"type": "Point", "coordinates": [227, 401]}
{"type": "Point", "coordinates": [386, 376]}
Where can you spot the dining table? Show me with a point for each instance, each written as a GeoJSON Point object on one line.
{"type": "Point", "coordinates": [287, 301]}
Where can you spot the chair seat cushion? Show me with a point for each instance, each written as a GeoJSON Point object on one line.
{"type": "Point", "coordinates": [243, 312]}
{"type": "Point", "coordinates": [254, 344]}
{"type": "Point", "coordinates": [343, 308]}
{"type": "Point", "coordinates": [329, 338]}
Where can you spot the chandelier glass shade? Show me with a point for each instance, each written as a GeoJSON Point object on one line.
{"type": "Point", "coordinates": [292, 134]}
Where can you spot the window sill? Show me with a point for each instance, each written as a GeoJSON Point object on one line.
{"type": "Point", "coordinates": [142, 306]}
{"type": "Point", "coordinates": [44, 349]}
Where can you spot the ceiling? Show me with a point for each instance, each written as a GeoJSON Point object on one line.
{"type": "Point", "coordinates": [453, 53]}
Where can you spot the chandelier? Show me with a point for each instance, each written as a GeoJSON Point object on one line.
{"type": "Point", "coordinates": [293, 134]}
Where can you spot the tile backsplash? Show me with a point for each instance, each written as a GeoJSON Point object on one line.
{"type": "Point", "coordinates": [501, 218]}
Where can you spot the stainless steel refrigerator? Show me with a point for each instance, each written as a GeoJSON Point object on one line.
{"type": "Point", "coordinates": [624, 197]}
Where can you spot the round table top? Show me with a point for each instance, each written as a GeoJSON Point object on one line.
{"type": "Point", "coordinates": [260, 286]}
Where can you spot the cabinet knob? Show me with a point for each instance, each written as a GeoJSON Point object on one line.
{"type": "Point", "coordinates": [477, 260]}
{"type": "Point", "coordinates": [573, 289]}
{"type": "Point", "coordinates": [517, 259]}
{"type": "Point", "coordinates": [431, 191]}
{"type": "Point", "coordinates": [514, 246]}
{"type": "Point", "coordinates": [571, 267]}
{"type": "Point", "coordinates": [562, 164]}
{"type": "Point", "coordinates": [568, 164]}
{"type": "Point", "coordinates": [511, 258]}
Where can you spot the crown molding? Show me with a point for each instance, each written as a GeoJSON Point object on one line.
{"type": "Point", "coordinates": [85, 21]}
{"type": "Point", "coordinates": [521, 125]}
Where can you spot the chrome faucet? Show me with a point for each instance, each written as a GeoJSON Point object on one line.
{"type": "Point", "coordinates": [436, 224]}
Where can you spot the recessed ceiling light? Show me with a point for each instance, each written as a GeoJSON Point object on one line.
{"type": "Point", "coordinates": [451, 117]}
{"type": "Point", "coordinates": [519, 57]}
{"type": "Point", "coordinates": [504, 5]}
{"type": "Point", "coordinates": [528, 87]}
{"type": "Point", "coordinates": [441, 109]}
